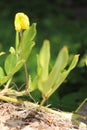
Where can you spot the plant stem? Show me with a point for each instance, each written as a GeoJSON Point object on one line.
{"type": "Point", "coordinates": [17, 41]}
{"type": "Point", "coordinates": [42, 102]}
{"type": "Point", "coordinates": [8, 83]}
{"type": "Point", "coordinates": [25, 66]}
{"type": "Point", "coordinates": [81, 105]}
{"type": "Point", "coordinates": [26, 74]}
{"type": "Point", "coordinates": [25, 69]}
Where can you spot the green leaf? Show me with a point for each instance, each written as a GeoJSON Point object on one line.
{"type": "Point", "coordinates": [32, 83]}
{"type": "Point", "coordinates": [4, 80]}
{"type": "Point", "coordinates": [13, 64]}
{"type": "Point", "coordinates": [58, 73]}
{"type": "Point", "coordinates": [74, 62]}
{"type": "Point", "coordinates": [10, 63]}
{"type": "Point", "coordinates": [12, 50]}
{"type": "Point", "coordinates": [12, 72]}
{"type": "Point", "coordinates": [17, 67]}
{"type": "Point", "coordinates": [60, 64]}
{"type": "Point", "coordinates": [62, 75]}
{"type": "Point", "coordinates": [44, 58]}
{"type": "Point", "coordinates": [27, 41]}
{"type": "Point", "coordinates": [30, 33]}
{"type": "Point", "coordinates": [1, 73]}
{"type": "Point", "coordinates": [28, 48]}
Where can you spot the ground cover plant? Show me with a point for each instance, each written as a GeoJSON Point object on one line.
{"type": "Point", "coordinates": [62, 26]}
{"type": "Point", "coordinates": [46, 80]}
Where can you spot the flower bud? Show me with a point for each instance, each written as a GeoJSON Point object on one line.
{"type": "Point", "coordinates": [21, 22]}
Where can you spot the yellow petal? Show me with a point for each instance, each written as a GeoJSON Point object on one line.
{"type": "Point", "coordinates": [21, 22]}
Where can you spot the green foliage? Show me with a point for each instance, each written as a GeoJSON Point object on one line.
{"type": "Point", "coordinates": [1, 73]}
{"type": "Point", "coordinates": [47, 82]}
{"type": "Point", "coordinates": [27, 40]}
{"type": "Point", "coordinates": [68, 28]}
{"type": "Point", "coordinates": [12, 59]}
{"type": "Point", "coordinates": [15, 61]}
{"type": "Point", "coordinates": [43, 61]}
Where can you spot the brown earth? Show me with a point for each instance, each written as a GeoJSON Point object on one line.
{"type": "Point", "coordinates": [29, 117]}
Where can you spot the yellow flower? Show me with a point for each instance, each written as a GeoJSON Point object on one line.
{"type": "Point", "coordinates": [21, 22]}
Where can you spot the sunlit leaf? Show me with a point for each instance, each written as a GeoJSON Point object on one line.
{"type": "Point", "coordinates": [10, 63]}
{"type": "Point", "coordinates": [29, 34]}
{"type": "Point", "coordinates": [59, 65]}
{"type": "Point", "coordinates": [32, 83]}
{"type": "Point", "coordinates": [1, 73]}
{"type": "Point", "coordinates": [44, 58]}
{"type": "Point", "coordinates": [4, 79]}
{"type": "Point", "coordinates": [12, 50]}
{"type": "Point", "coordinates": [62, 75]}
{"type": "Point", "coordinates": [17, 67]}
{"type": "Point", "coordinates": [27, 41]}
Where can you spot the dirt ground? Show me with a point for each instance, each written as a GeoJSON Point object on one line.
{"type": "Point", "coordinates": [26, 117]}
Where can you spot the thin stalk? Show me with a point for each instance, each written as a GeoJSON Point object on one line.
{"type": "Point", "coordinates": [42, 102]}
{"type": "Point", "coordinates": [81, 105]}
{"type": "Point", "coordinates": [8, 83]}
{"type": "Point", "coordinates": [25, 68]}
{"type": "Point", "coordinates": [17, 41]}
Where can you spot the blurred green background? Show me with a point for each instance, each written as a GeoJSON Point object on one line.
{"type": "Point", "coordinates": [63, 23]}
